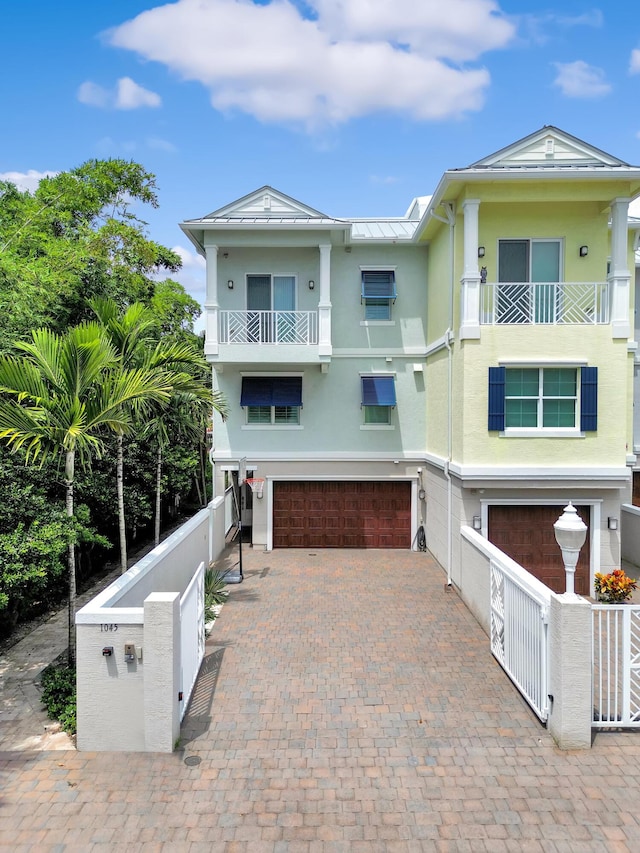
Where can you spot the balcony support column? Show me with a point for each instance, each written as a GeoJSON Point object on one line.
{"type": "Point", "coordinates": [211, 305]}
{"type": "Point", "coordinates": [620, 276]}
{"type": "Point", "coordinates": [324, 304]}
{"type": "Point", "coordinates": [470, 281]}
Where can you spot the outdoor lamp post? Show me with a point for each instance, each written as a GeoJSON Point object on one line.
{"type": "Point", "coordinates": [571, 531]}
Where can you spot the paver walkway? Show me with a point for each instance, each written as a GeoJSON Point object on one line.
{"type": "Point", "coordinates": [346, 702]}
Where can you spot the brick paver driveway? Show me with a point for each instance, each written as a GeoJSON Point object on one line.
{"type": "Point", "coordinates": [347, 702]}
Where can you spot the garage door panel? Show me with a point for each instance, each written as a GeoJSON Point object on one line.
{"type": "Point", "coordinates": [342, 514]}
{"type": "Point", "coordinates": [526, 534]}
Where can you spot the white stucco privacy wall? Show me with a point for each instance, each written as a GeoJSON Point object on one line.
{"type": "Point", "coordinates": [133, 704]}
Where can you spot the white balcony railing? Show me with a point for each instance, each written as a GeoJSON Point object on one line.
{"type": "Point", "coordinates": [269, 327]}
{"type": "Point", "coordinates": [564, 303]}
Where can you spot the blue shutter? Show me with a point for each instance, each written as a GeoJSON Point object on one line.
{"type": "Point", "coordinates": [287, 391]}
{"type": "Point", "coordinates": [271, 391]}
{"type": "Point", "coordinates": [379, 285]}
{"type": "Point", "coordinates": [588, 399]}
{"type": "Point", "coordinates": [378, 391]}
{"type": "Point", "coordinates": [497, 377]}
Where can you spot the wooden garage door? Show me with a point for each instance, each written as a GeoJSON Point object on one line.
{"type": "Point", "coordinates": [342, 515]}
{"type": "Point", "coordinates": [526, 534]}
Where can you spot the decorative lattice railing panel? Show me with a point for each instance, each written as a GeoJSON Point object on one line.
{"type": "Point", "coordinates": [616, 666]}
{"type": "Point", "coordinates": [269, 327]}
{"type": "Point", "coordinates": [567, 303]}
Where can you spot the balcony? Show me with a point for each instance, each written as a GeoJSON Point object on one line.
{"type": "Point", "coordinates": [269, 337]}
{"type": "Point", "coordinates": [544, 303]}
{"type": "Point", "coordinates": [269, 327]}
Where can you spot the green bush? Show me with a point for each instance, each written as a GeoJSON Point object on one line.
{"type": "Point", "coordinates": [59, 695]}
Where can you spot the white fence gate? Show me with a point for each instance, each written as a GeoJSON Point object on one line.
{"type": "Point", "coordinates": [616, 666]}
{"type": "Point", "coordinates": [519, 622]}
{"type": "Point", "coordinates": [191, 636]}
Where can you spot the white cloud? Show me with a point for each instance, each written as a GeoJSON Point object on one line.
{"type": "Point", "coordinates": [26, 180]}
{"type": "Point", "coordinates": [593, 18]}
{"type": "Point", "coordinates": [93, 95]}
{"type": "Point", "coordinates": [189, 259]}
{"type": "Point", "coordinates": [127, 95]}
{"type": "Point", "coordinates": [158, 144]}
{"type": "Point", "coordinates": [634, 64]}
{"type": "Point", "coordinates": [131, 96]}
{"type": "Point", "coordinates": [580, 80]}
{"type": "Point", "coordinates": [350, 60]}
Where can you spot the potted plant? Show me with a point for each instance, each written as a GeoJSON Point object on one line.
{"type": "Point", "coordinates": [614, 587]}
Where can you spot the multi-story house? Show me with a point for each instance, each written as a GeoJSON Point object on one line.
{"type": "Point", "coordinates": [316, 331]}
{"type": "Point", "coordinates": [468, 363]}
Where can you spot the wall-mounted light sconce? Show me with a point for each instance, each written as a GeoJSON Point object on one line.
{"type": "Point", "coordinates": [422, 494]}
{"type": "Point", "coordinates": [230, 284]}
{"type": "Point", "coordinates": [481, 251]}
{"type": "Point", "coordinates": [225, 254]}
{"type": "Point", "coordinates": [612, 523]}
{"type": "Point", "coordinates": [584, 251]}
{"type": "Point", "coordinates": [312, 284]}
{"type": "Point", "coordinates": [477, 522]}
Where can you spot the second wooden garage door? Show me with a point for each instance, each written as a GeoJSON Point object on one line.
{"type": "Point", "coordinates": [342, 515]}
{"type": "Point", "coordinates": [526, 534]}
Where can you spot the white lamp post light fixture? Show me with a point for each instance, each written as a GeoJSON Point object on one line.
{"type": "Point", "coordinates": [570, 531]}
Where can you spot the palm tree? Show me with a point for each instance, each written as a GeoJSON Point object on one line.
{"type": "Point", "coordinates": [133, 336]}
{"type": "Point", "coordinates": [188, 415]}
{"type": "Point", "coordinates": [59, 396]}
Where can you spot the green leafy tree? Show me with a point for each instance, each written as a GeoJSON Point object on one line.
{"type": "Point", "coordinates": [133, 335]}
{"type": "Point", "coordinates": [59, 395]}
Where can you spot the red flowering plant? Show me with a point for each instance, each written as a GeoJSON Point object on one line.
{"type": "Point", "coordinates": [616, 586]}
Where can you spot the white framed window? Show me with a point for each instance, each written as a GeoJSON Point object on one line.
{"type": "Point", "coordinates": [271, 400]}
{"type": "Point", "coordinates": [378, 293]}
{"type": "Point", "coordinates": [543, 401]}
{"type": "Point", "coordinates": [541, 398]}
{"type": "Point", "coordinates": [273, 415]}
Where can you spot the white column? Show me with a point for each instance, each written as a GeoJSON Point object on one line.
{"type": "Point", "coordinates": [162, 653]}
{"type": "Point", "coordinates": [211, 306]}
{"type": "Point", "coordinates": [324, 304]}
{"type": "Point", "coordinates": [571, 708]}
{"type": "Point", "coordinates": [470, 281]}
{"type": "Point", "coordinates": [620, 276]}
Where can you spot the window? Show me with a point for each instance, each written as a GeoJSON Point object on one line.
{"type": "Point", "coordinates": [378, 398]}
{"type": "Point", "coordinates": [378, 293]}
{"type": "Point", "coordinates": [543, 398]}
{"type": "Point", "coordinates": [271, 301]}
{"type": "Point", "coordinates": [527, 262]}
{"type": "Point", "coordinates": [272, 400]}
{"type": "Point", "coordinates": [273, 415]}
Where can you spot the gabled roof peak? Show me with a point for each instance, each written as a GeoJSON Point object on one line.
{"type": "Point", "coordinates": [267, 203]}
{"type": "Point", "coordinates": [546, 148]}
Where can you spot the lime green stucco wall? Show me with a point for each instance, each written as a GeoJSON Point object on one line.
{"type": "Point", "coordinates": [473, 444]}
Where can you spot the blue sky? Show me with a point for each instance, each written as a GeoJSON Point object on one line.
{"type": "Point", "coordinates": [352, 106]}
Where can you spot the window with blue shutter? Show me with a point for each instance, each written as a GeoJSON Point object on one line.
{"type": "Point", "coordinates": [543, 398]}
{"type": "Point", "coordinates": [272, 399]}
{"type": "Point", "coordinates": [378, 293]}
{"type": "Point", "coordinates": [378, 398]}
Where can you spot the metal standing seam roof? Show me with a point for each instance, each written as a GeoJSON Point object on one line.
{"type": "Point", "coordinates": [267, 220]}
{"type": "Point", "coordinates": [383, 229]}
